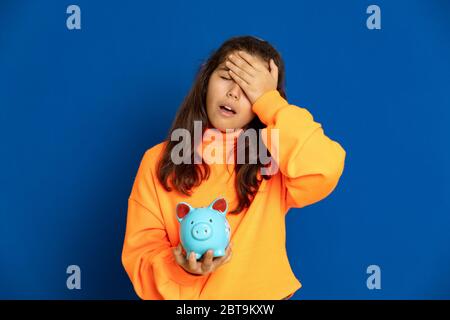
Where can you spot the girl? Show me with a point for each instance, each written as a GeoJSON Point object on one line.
{"type": "Point", "coordinates": [240, 87]}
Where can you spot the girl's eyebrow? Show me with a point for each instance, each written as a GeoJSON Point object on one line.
{"type": "Point", "coordinates": [225, 68]}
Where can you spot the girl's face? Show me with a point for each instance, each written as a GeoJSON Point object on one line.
{"type": "Point", "coordinates": [224, 94]}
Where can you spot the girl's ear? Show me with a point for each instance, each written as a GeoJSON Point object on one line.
{"type": "Point", "coordinates": [220, 204]}
{"type": "Point", "coordinates": [183, 210]}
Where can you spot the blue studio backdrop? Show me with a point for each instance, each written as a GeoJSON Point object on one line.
{"type": "Point", "coordinates": [79, 107]}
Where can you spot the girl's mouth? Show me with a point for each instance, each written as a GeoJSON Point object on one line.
{"type": "Point", "coordinates": [227, 111]}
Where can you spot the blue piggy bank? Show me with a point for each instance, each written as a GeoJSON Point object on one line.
{"type": "Point", "coordinates": [205, 228]}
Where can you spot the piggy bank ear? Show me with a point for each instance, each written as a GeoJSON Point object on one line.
{"type": "Point", "coordinates": [220, 204]}
{"type": "Point", "coordinates": [182, 210]}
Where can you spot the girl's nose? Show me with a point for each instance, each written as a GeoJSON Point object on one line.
{"type": "Point", "coordinates": [235, 92]}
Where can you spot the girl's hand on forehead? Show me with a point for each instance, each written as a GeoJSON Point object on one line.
{"type": "Point", "coordinates": [251, 74]}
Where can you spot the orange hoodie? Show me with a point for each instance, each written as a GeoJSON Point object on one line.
{"type": "Point", "coordinates": [310, 165]}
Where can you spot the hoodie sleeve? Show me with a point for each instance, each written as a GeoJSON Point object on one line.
{"type": "Point", "coordinates": [147, 252]}
{"type": "Point", "coordinates": [311, 164]}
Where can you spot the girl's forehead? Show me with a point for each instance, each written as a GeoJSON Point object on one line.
{"type": "Point", "coordinates": [222, 65]}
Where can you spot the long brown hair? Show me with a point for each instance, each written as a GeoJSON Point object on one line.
{"type": "Point", "coordinates": [183, 177]}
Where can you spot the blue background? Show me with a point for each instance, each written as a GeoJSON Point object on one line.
{"type": "Point", "coordinates": [79, 108]}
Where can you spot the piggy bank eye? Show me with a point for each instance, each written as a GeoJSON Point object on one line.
{"type": "Point", "coordinates": [192, 222]}
{"type": "Point", "coordinates": [210, 220]}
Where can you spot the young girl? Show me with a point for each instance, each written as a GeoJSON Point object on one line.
{"type": "Point", "coordinates": [240, 87]}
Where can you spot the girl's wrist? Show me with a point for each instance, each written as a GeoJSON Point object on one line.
{"type": "Point", "coordinates": [267, 105]}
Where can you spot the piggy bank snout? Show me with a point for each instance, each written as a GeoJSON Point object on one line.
{"type": "Point", "coordinates": [201, 231]}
